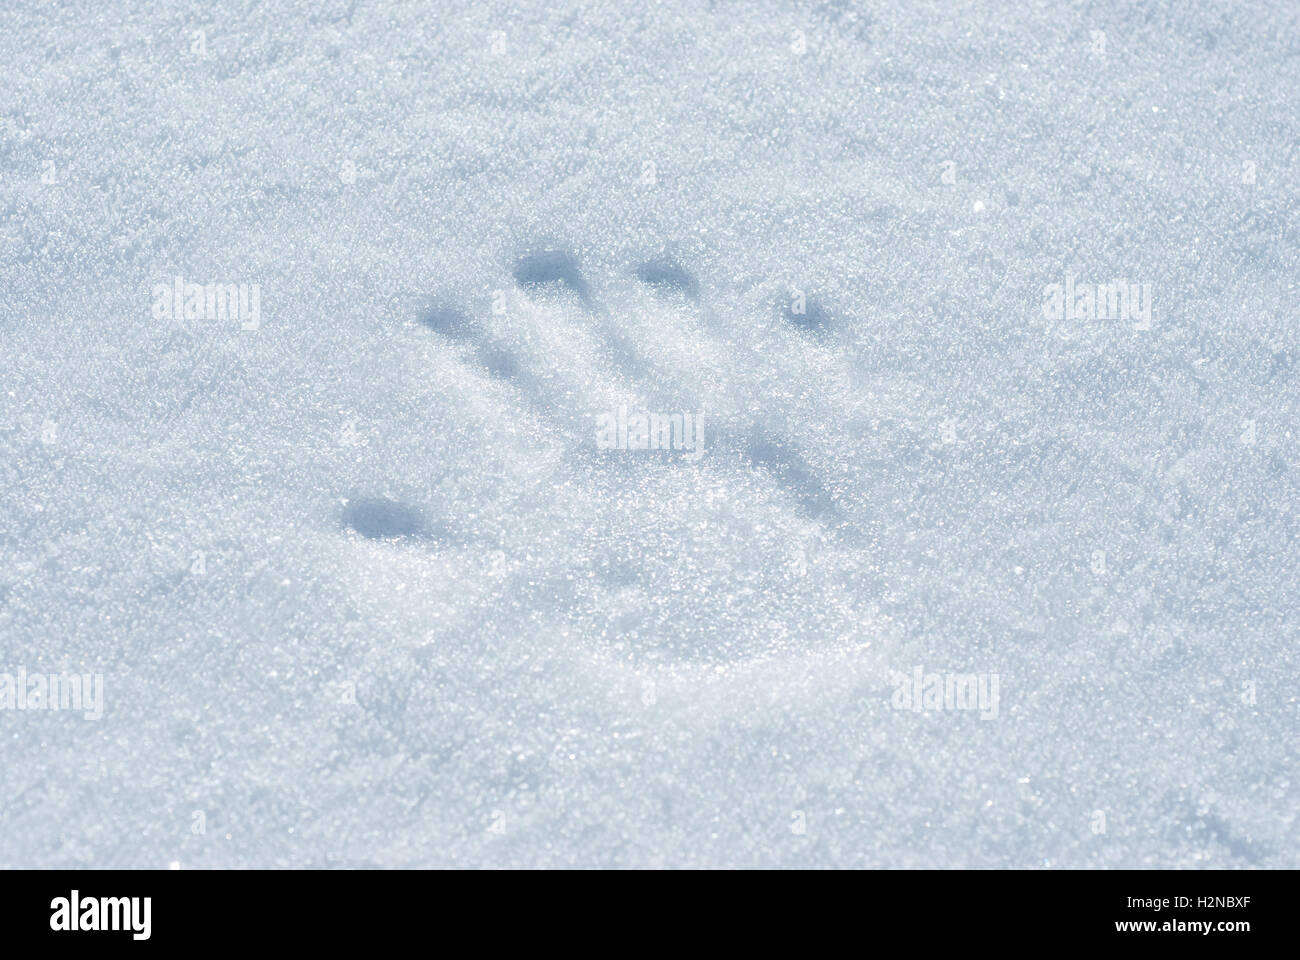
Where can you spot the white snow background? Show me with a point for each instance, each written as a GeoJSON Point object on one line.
{"type": "Point", "coordinates": [362, 588]}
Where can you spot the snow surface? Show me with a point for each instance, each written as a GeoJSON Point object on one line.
{"type": "Point", "coordinates": [365, 592]}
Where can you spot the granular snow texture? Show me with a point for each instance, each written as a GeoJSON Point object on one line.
{"type": "Point", "coordinates": [365, 589]}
